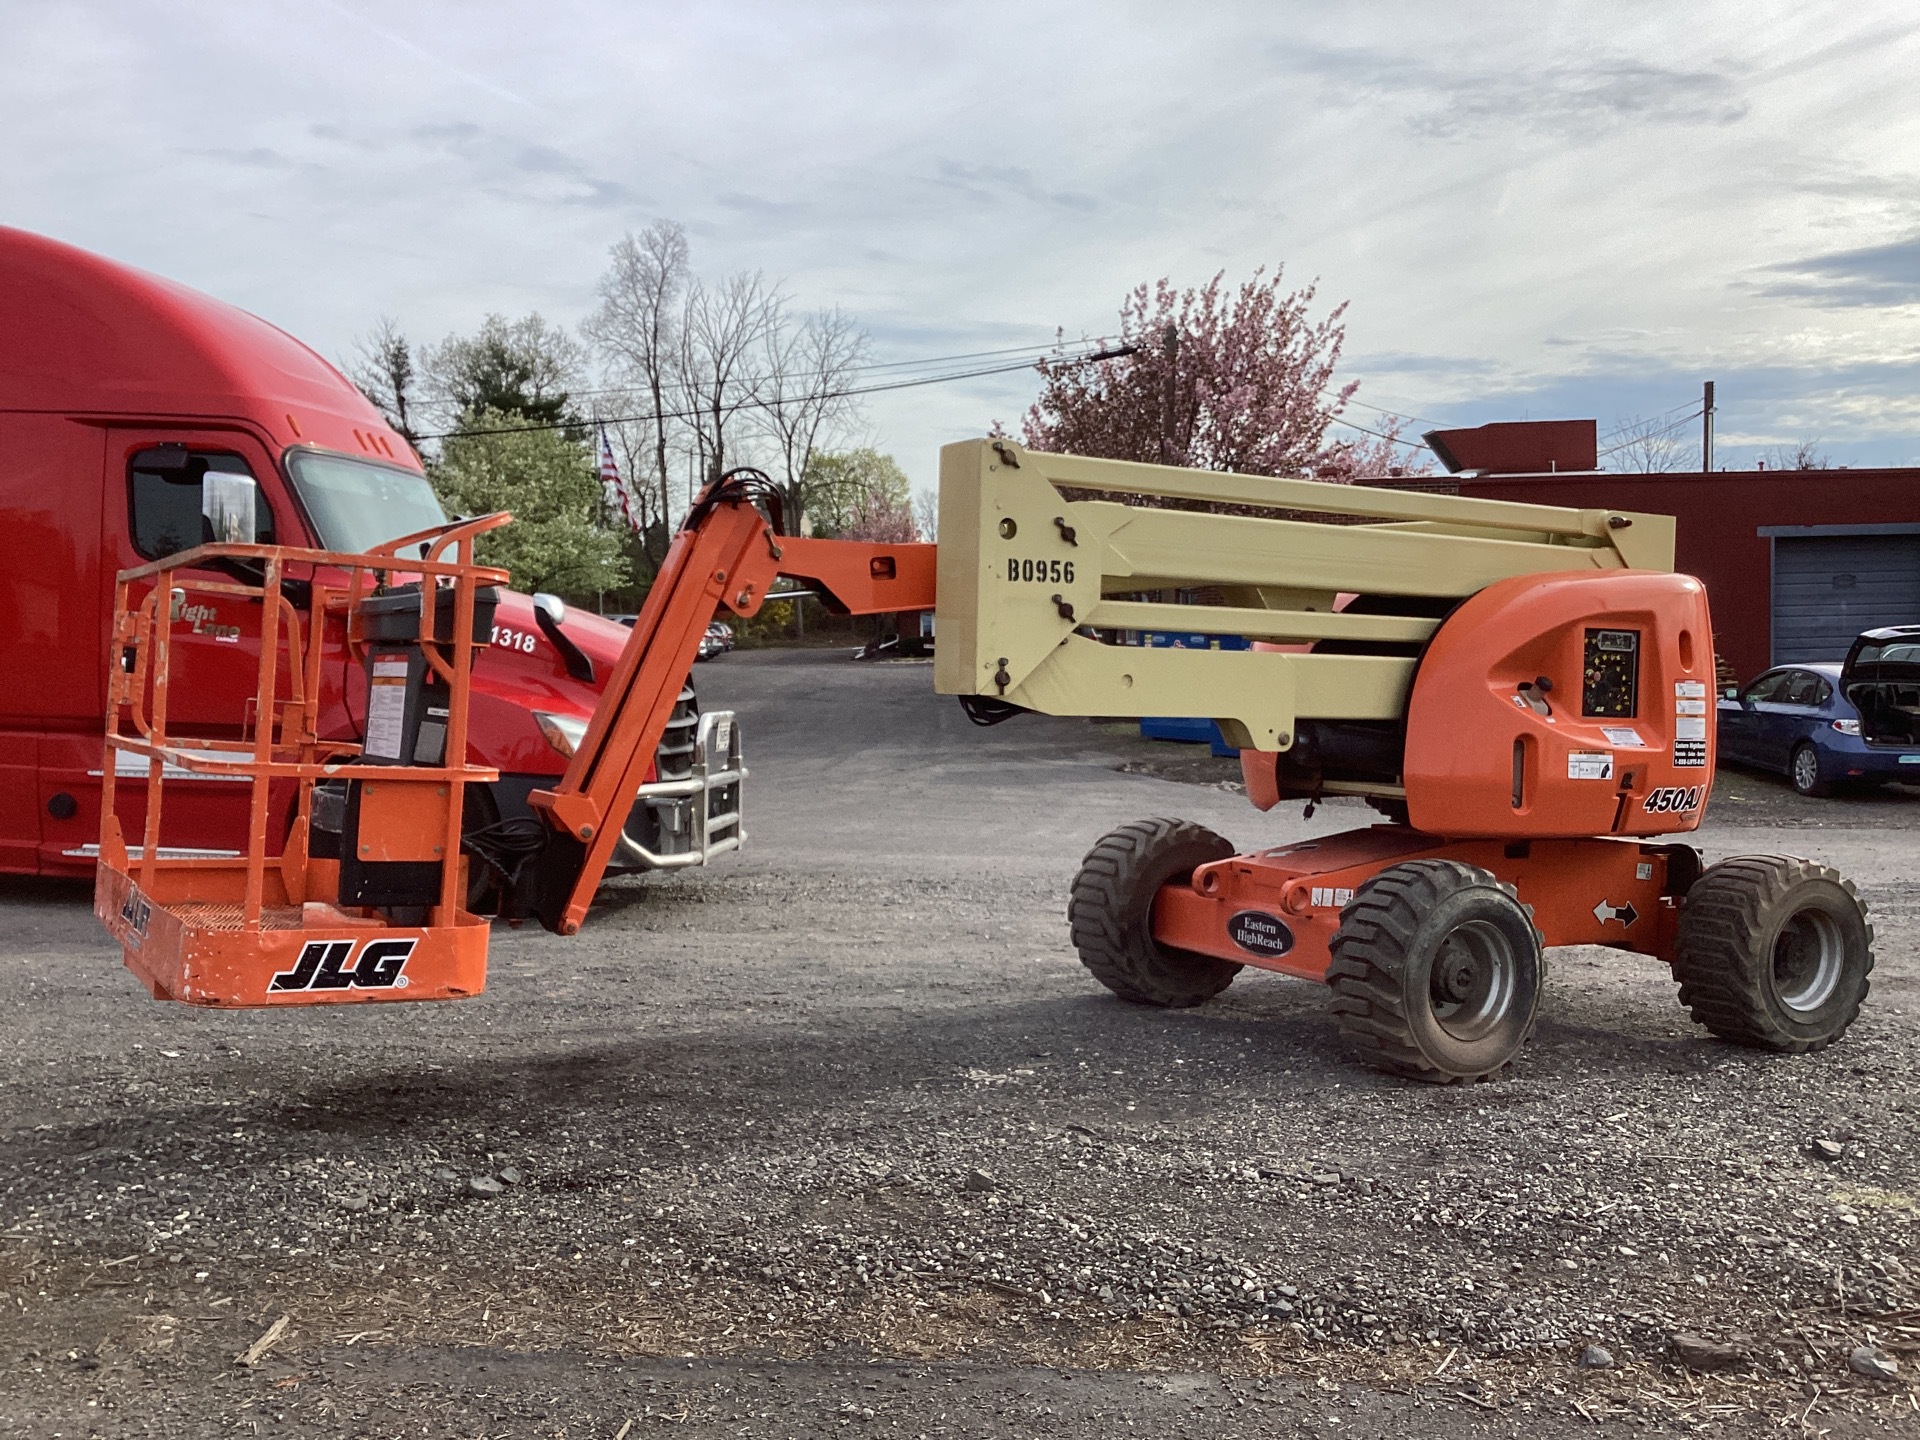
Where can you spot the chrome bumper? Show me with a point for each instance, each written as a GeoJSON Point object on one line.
{"type": "Point", "coordinates": [696, 817]}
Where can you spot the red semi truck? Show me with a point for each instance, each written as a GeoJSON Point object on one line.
{"type": "Point", "coordinates": [120, 393]}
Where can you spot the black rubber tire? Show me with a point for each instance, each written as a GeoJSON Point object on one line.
{"type": "Point", "coordinates": [1427, 926]}
{"type": "Point", "coordinates": [1750, 930]}
{"type": "Point", "coordinates": [1111, 913]}
{"type": "Point", "coordinates": [1814, 788]}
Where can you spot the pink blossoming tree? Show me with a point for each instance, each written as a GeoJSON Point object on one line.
{"type": "Point", "coordinates": [1241, 382]}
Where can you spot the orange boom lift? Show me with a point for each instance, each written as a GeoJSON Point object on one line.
{"type": "Point", "coordinates": [366, 898]}
{"type": "Point", "coordinates": [1524, 691]}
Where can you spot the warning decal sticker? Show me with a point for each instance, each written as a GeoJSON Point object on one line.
{"type": "Point", "coordinates": [1689, 724]}
{"type": "Point", "coordinates": [386, 708]}
{"type": "Point", "coordinates": [1590, 765]}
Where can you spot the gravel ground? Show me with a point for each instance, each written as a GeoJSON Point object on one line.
{"type": "Point", "coordinates": [837, 1134]}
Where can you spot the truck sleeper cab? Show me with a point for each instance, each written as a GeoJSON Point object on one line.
{"type": "Point", "coordinates": [121, 394]}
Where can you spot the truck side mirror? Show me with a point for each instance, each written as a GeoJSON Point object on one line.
{"type": "Point", "coordinates": [229, 504]}
{"type": "Point", "coordinates": [549, 613]}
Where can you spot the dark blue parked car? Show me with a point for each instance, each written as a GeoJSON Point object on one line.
{"type": "Point", "coordinates": [1794, 720]}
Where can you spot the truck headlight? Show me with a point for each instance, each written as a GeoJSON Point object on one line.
{"type": "Point", "coordinates": [564, 732]}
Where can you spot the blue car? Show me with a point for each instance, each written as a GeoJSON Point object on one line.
{"type": "Point", "coordinates": [1795, 720]}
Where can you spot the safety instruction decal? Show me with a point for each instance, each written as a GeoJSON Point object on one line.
{"type": "Point", "coordinates": [386, 708]}
{"type": "Point", "coordinates": [1589, 765]}
{"type": "Point", "coordinates": [1689, 724]}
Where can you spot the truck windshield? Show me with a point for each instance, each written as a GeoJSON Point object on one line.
{"type": "Point", "coordinates": [356, 505]}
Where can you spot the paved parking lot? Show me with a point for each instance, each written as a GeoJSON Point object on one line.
{"type": "Point", "coordinates": [837, 1135]}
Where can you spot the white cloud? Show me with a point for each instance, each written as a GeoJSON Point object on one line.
{"type": "Point", "coordinates": [1588, 206]}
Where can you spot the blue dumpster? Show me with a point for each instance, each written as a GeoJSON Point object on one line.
{"type": "Point", "coordinates": [1188, 730]}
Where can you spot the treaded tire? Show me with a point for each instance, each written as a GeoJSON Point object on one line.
{"type": "Point", "coordinates": [1437, 972]}
{"type": "Point", "coordinates": [1111, 913]}
{"type": "Point", "coordinates": [1773, 952]}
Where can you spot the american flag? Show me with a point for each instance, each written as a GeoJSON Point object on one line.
{"type": "Point", "coordinates": [612, 486]}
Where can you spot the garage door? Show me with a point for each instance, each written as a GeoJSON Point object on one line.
{"type": "Point", "coordinates": [1828, 588]}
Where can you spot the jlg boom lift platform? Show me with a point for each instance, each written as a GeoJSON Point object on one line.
{"type": "Point", "coordinates": [1524, 691]}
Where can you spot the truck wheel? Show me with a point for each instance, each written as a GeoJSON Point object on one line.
{"type": "Point", "coordinates": [1436, 972]}
{"type": "Point", "coordinates": [1111, 913]}
{"type": "Point", "coordinates": [1773, 952]}
{"type": "Point", "coordinates": [1804, 771]}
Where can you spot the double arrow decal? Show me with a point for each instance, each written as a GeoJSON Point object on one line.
{"type": "Point", "coordinates": [1606, 911]}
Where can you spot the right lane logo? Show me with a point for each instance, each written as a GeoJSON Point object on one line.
{"type": "Point", "coordinates": [1259, 933]}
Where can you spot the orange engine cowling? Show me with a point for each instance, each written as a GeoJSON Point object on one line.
{"type": "Point", "coordinates": [1565, 705]}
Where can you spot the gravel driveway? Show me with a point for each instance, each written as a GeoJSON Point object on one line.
{"type": "Point", "coordinates": [837, 1136]}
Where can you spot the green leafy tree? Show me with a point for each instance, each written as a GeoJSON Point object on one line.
{"type": "Point", "coordinates": [859, 495]}
{"type": "Point", "coordinates": [550, 484]}
{"type": "Point", "coordinates": [521, 368]}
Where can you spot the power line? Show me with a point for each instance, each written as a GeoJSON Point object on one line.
{"type": "Point", "coordinates": [1650, 434]}
{"type": "Point", "coordinates": [1381, 434]}
{"type": "Point", "coordinates": [757, 402]}
{"type": "Point", "coordinates": [1650, 419]}
{"type": "Point", "coordinates": [1037, 352]}
{"type": "Point", "coordinates": [754, 402]}
{"type": "Point", "coordinates": [1396, 414]}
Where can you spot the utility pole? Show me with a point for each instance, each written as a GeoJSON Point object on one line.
{"type": "Point", "coordinates": [1706, 427]}
{"type": "Point", "coordinates": [1170, 349]}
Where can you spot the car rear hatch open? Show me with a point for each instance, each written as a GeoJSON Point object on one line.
{"type": "Point", "coordinates": [1882, 680]}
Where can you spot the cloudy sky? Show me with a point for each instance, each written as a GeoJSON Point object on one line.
{"type": "Point", "coordinates": [1535, 209]}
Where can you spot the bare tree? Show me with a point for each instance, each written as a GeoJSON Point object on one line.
{"type": "Point", "coordinates": [722, 335]}
{"type": "Point", "coordinates": [382, 368]}
{"type": "Point", "coordinates": [637, 323]}
{"type": "Point", "coordinates": [718, 372]}
{"type": "Point", "coordinates": [926, 513]}
{"type": "Point", "coordinates": [1807, 455]}
{"type": "Point", "coordinates": [634, 451]}
{"type": "Point", "coordinates": [802, 400]}
{"type": "Point", "coordinates": [1650, 447]}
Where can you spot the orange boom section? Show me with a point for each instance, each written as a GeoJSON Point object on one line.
{"type": "Point", "coordinates": [726, 553]}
